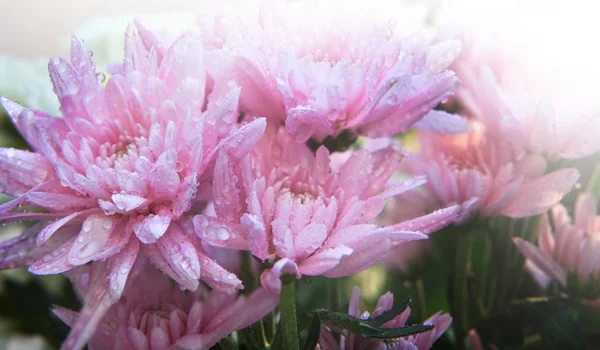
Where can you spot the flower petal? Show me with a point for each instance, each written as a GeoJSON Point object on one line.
{"type": "Point", "coordinates": [119, 267]}
{"type": "Point", "coordinates": [270, 277]}
{"type": "Point", "coordinates": [541, 260]}
{"type": "Point", "coordinates": [443, 123]}
{"type": "Point", "coordinates": [176, 256]}
{"type": "Point", "coordinates": [302, 122]}
{"type": "Point", "coordinates": [150, 228]}
{"type": "Point", "coordinates": [22, 171]}
{"type": "Point", "coordinates": [220, 233]}
{"type": "Point", "coordinates": [541, 194]}
{"type": "Point", "coordinates": [320, 263]}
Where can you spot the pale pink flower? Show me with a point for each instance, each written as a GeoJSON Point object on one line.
{"type": "Point", "coordinates": [309, 214]}
{"type": "Point", "coordinates": [489, 169]}
{"type": "Point", "coordinates": [322, 69]}
{"type": "Point", "coordinates": [117, 174]}
{"type": "Point", "coordinates": [567, 247]}
{"type": "Point", "coordinates": [555, 121]}
{"type": "Point", "coordinates": [156, 314]}
{"type": "Point", "coordinates": [422, 341]}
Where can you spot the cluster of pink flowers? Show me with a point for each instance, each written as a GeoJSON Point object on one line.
{"type": "Point", "coordinates": [200, 142]}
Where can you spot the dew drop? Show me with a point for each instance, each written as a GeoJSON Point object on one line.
{"type": "Point", "coordinates": [87, 226]}
{"type": "Point", "coordinates": [101, 77]}
{"type": "Point", "coordinates": [107, 224]}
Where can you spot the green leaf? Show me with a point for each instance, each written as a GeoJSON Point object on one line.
{"type": "Point", "coordinates": [313, 333]}
{"type": "Point", "coordinates": [389, 315]}
{"type": "Point", "coordinates": [227, 344]}
{"type": "Point", "coordinates": [366, 328]}
{"type": "Point", "coordinates": [343, 321]}
{"type": "Point", "coordinates": [253, 336]}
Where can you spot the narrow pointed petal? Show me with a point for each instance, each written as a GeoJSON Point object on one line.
{"type": "Point", "coordinates": [320, 263]}
{"type": "Point", "coordinates": [404, 186]}
{"type": "Point", "coordinates": [431, 222]}
{"type": "Point", "coordinates": [119, 267]}
{"type": "Point", "coordinates": [49, 230]}
{"type": "Point", "coordinates": [241, 141]}
{"type": "Point", "coordinates": [541, 194]}
{"type": "Point", "coordinates": [176, 256]}
{"type": "Point", "coordinates": [22, 171]}
{"type": "Point", "coordinates": [541, 260]}
{"type": "Point", "coordinates": [54, 262]}
{"type": "Point", "coordinates": [97, 302]}
{"type": "Point", "coordinates": [218, 277]}
{"type": "Point", "coordinates": [257, 236]}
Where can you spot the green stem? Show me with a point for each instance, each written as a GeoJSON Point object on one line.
{"type": "Point", "coordinates": [593, 177]}
{"type": "Point", "coordinates": [421, 299]}
{"type": "Point", "coordinates": [459, 288]}
{"type": "Point", "coordinates": [287, 308]}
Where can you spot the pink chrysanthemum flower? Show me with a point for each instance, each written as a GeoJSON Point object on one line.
{"type": "Point", "coordinates": [119, 171]}
{"type": "Point", "coordinates": [555, 122]}
{"type": "Point", "coordinates": [309, 213]}
{"type": "Point", "coordinates": [163, 316]}
{"type": "Point", "coordinates": [421, 341]}
{"type": "Point", "coordinates": [489, 169]}
{"type": "Point", "coordinates": [567, 247]}
{"type": "Point", "coordinates": [314, 67]}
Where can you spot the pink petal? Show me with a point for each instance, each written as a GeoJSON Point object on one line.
{"type": "Point", "coordinates": [257, 236]}
{"type": "Point", "coordinates": [241, 140]}
{"type": "Point", "coordinates": [270, 277]}
{"type": "Point", "coordinates": [238, 316]}
{"type": "Point", "coordinates": [49, 230]}
{"type": "Point", "coordinates": [183, 71]}
{"type": "Point", "coordinates": [226, 194]}
{"type": "Point", "coordinates": [385, 303]}
{"type": "Point", "coordinates": [22, 171]}
{"type": "Point", "coordinates": [126, 202]}
{"type": "Point", "coordinates": [95, 232]}
{"type": "Point", "coordinates": [150, 228]}
{"type": "Point", "coordinates": [27, 121]}
{"type": "Point", "coordinates": [220, 233]}
{"type": "Point", "coordinates": [55, 262]}
{"type": "Point", "coordinates": [443, 123]}
{"type": "Point", "coordinates": [22, 251]}
{"type": "Point", "coordinates": [585, 141]}
{"type": "Point", "coordinates": [59, 201]}
{"type": "Point", "coordinates": [176, 256]}
{"type": "Point", "coordinates": [309, 239]}
{"type": "Point", "coordinates": [320, 263]}
{"type": "Point", "coordinates": [404, 186]}
{"type": "Point", "coordinates": [303, 122]}
{"type": "Point", "coordinates": [216, 276]}
{"type": "Point", "coordinates": [119, 267]}
{"type": "Point", "coordinates": [440, 323]}
{"type": "Point", "coordinates": [541, 194]}
{"type": "Point", "coordinates": [586, 207]}
{"type": "Point", "coordinates": [97, 302]}
{"type": "Point", "coordinates": [365, 253]}
{"type": "Point", "coordinates": [541, 260]}
{"type": "Point", "coordinates": [283, 239]}
{"type": "Point", "coordinates": [431, 222]}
